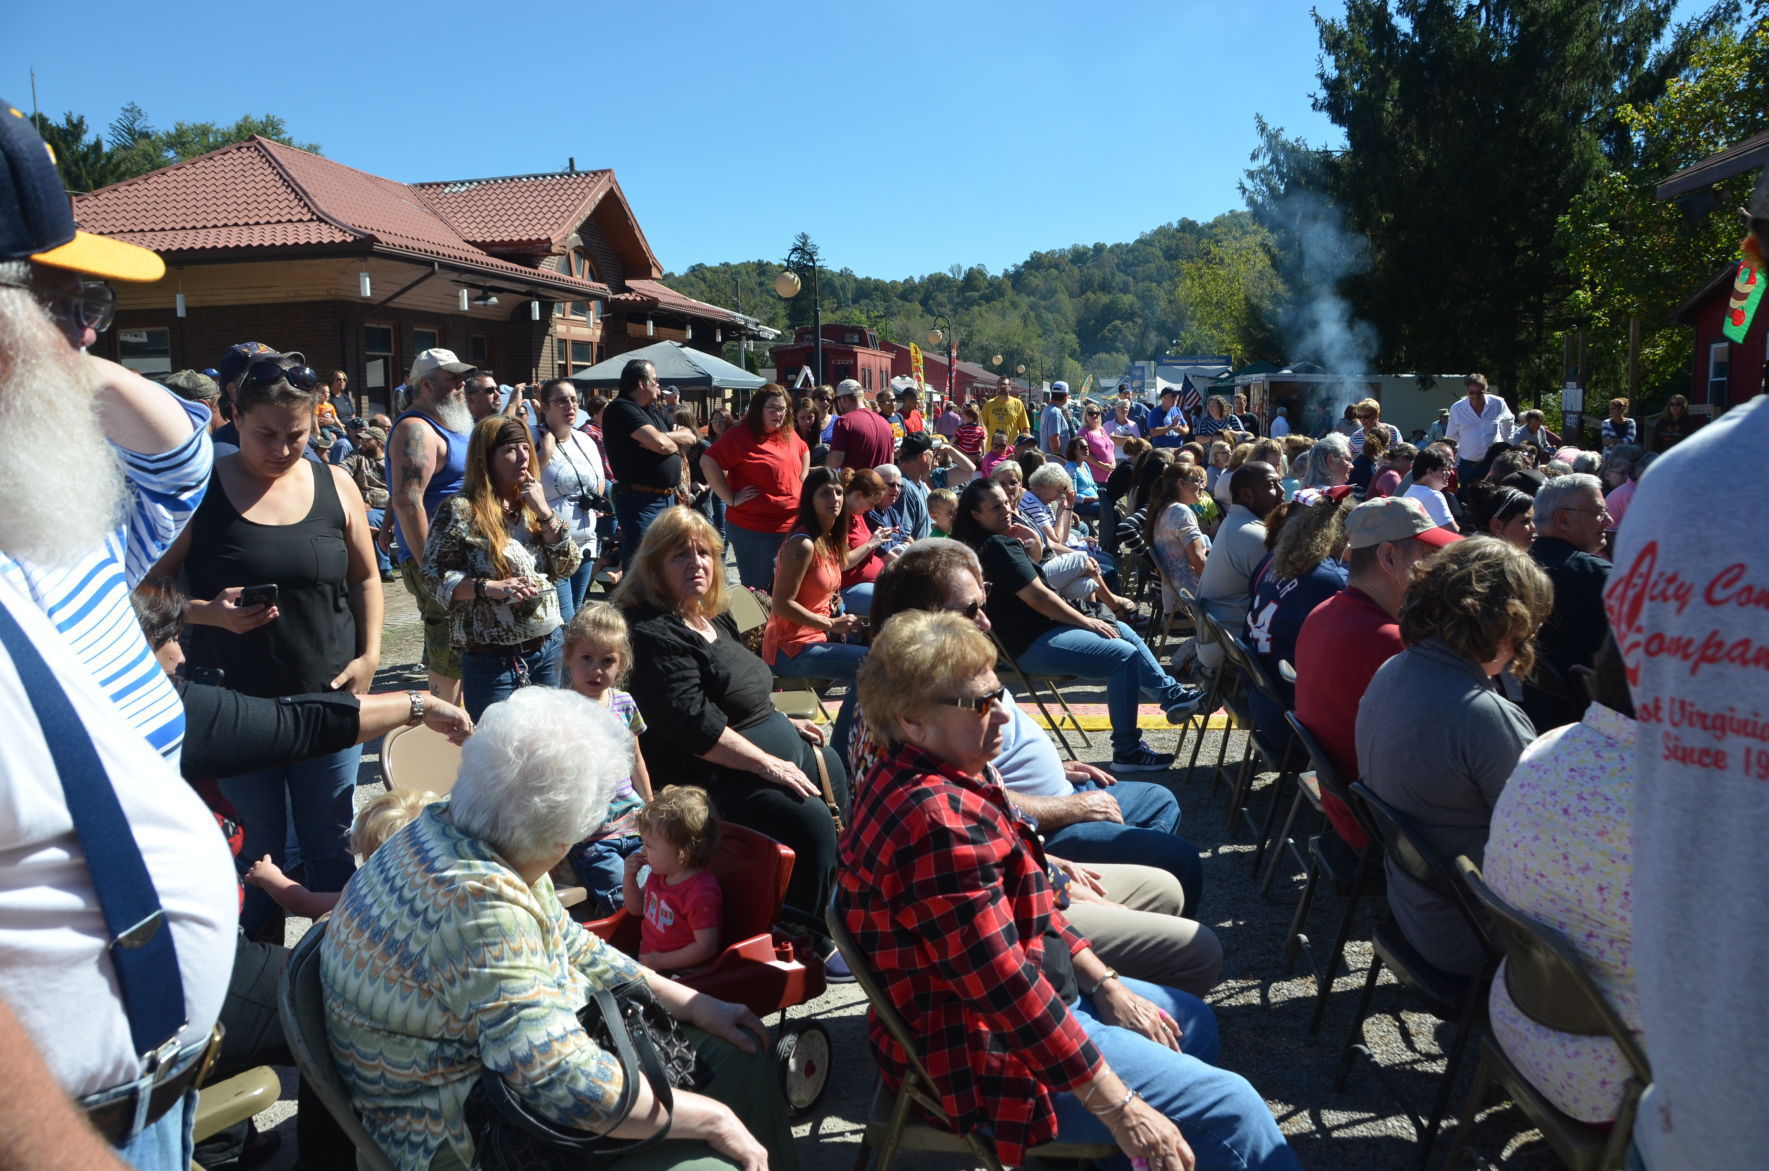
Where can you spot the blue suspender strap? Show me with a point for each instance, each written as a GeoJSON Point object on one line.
{"type": "Point", "coordinates": [141, 947]}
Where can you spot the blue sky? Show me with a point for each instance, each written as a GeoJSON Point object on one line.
{"type": "Point", "coordinates": [904, 137]}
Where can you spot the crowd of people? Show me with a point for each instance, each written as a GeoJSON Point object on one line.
{"type": "Point", "coordinates": [211, 607]}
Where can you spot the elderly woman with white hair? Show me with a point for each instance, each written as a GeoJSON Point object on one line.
{"type": "Point", "coordinates": [1327, 464]}
{"type": "Point", "coordinates": [1074, 564]}
{"type": "Point", "coordinates": [450, 956]}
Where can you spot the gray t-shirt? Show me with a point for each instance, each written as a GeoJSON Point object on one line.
{"type": "Point", "coordinates": [1225, 587]}
{"type": "Point", "coordinates": [1438, 744]}
{"type": "Point", "coordinates": [1687, 603]}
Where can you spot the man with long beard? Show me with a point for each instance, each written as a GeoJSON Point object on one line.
{"type": "Point", "coordinates": [117, 898]}
{"type": "Point", "coordinates": [426, 464]}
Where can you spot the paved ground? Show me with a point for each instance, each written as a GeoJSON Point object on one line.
{"type": "Point", "coordinates": [1263, 1015]}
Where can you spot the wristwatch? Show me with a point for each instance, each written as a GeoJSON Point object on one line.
{"type": "Point", "coordinates": [417, 700]}
{"type": "Point", "coordinates": [1111, 974]}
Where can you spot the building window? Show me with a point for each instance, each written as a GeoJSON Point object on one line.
{"type": "Point", "coordinates": [146, 351]}
{"type": "Point", "coordinates": [583, 356]}
{"type": "Point", "coordinates": [866, 377]}
{"type": "Point", "coordinates": [425, 339]}
{"type": "Point", "coordinates": [378, 364]}
{"type": "Point", "coordinates": [1719, 372]}
{"type": "Point", "coordinates": [479, 351]}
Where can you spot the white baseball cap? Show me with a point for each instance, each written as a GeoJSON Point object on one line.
{"type": "Point", "coordinates": [430, 361]}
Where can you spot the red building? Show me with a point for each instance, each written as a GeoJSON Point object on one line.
{"type": "Point", "coordinates": [1726, 372]}
{"type": "Point", "coordinates": [849, 351]}
{"type": "Point", "coordinates": [933, 367]}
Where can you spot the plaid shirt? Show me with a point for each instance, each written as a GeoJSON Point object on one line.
{"type": "Point", "coordinates": [943, 887]}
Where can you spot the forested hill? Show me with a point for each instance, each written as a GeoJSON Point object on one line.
{"type": "Point", "coordinates": [1183, 286]}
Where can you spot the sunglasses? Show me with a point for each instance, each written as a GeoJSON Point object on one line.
{"type": "Point", "coordinates": [982, 704]}
{"type": "Point", "coordinates": [93, 306]}
{"type": "Point", "coordinates": [267, 372]}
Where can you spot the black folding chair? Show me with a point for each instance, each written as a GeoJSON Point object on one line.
{"type": "Point", "coordinates": [1232, 695]}
{"type": "Point", "coordinates": [1212, 691]}
{"type": "Point", "coordinates": [1353, 875]}
{"type": "Point", "coordinates": [1274, 753]}
{"type": "Point", "coordinates": [1030, 682]}
{"type": "Point", "coordinates": [1445, 995]}
{"type": "Point", "coordinates": [1549, 983]}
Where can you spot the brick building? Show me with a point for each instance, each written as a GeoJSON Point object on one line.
{"type": "Point", "coordinates": [849, 351]}
{"type": "Point", "coordinates": [530, 276]}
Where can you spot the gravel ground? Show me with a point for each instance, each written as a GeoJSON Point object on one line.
{"type": "Point", "coordinates": [1263, 1014]}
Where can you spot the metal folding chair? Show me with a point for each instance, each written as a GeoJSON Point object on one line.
{"type": "Point", "coordinates": [1030, 682]}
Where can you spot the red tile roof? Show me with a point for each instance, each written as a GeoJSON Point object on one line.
{"type": "Point", "coordinates": [655, 295]}
{"type": "Point", "coordinates": [259, 194]}
{"type": "Point", "coordinates": [519, 209]}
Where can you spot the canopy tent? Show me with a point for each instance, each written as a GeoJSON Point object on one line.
{"type": "Point", "coordinates": [677, 365]}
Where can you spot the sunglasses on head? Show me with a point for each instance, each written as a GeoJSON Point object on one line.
{"type": "Point", "coordinates": [268, 371]}
{"type": "Point", "coordinates": [982, 704]}
{"type": "Point", "coordinates": [92, 306]}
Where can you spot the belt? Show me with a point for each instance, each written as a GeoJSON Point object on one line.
{"type": "Point", "coordinates": [512, 648]}
{"type": "Point", "coordinates": [645, 488]}
{"type": "Point", "coordinates": [115, 1120]}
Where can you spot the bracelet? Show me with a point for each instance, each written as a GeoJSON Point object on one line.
{"type": "Point", "coordinates": [1130, 1095]}
{"type": "Point", "coordinates": [417, 701]}
{"type": "Point", "coordinates": [1111, 974]}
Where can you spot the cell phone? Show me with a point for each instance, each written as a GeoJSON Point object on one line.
{"type": "Point", "coordinates": [258, 595]}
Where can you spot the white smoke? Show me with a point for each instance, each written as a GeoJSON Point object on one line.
{"type": "Point", "coordinates": [1318, 325]}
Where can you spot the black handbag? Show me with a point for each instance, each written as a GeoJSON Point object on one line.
{"type": "Point", "coordinates": [647, 1041]}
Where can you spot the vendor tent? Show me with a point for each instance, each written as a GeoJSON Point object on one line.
{"type": "Point", "coordinates": [677, 365]}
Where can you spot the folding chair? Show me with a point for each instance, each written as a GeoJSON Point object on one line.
{"type": "Point", "coordinates": [1275, 756]}
{"type": "Point", "coordinates": [797, 698]}
{"type": "Point", "coordinates": [1447, 996]}
{"type": "Point", "coordinates": [889, 1127]}
{"type": "Point", "coordinates": [417, 758]}
{"type": "Point", "coordinates": [1205, 635]}
{"type": "Point", "coordinates": [302, 1008]}
{"type": "Point", "coordinates": [228, 1103]}
{"type": "Point", "coordinates": [1549, 983]}
{"type": "Point", "coordinates": [1030, 683]}
{"type": "Point", "coordinates": [1353, 875]}
{"type": "Point", "coordinates": [1165, 623]}
{"type": "Point", "coordinates": [1232, 695]}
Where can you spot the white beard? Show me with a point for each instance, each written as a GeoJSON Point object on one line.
{"type": "Point", "coordinates": [61, 483]}
{"type": "Point", "coordinates": [453, 414]}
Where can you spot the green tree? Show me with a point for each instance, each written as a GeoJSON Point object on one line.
{"type": "Point", "coordinates": [131, 145]}
{"type": "Point", "coordinates": [1230, 292]}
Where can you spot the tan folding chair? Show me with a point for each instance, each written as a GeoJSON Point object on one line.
{"type": "Point", "coordinates": [796, 698]}
{"type": "Point", "coordinates": [302, 1008]}
{"type": "Point", "coordinates": [416, 758]}
{"type": "Point", "coordinates": [1549, 983]}
{"type": "Point", "coordinates": [231, 1102]}
{"type": "Point", "coordinates": [889, 1127]}
{"type": "Point", "coordinates": [1030, 683]}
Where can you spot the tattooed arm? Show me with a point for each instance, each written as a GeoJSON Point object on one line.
{"type": "Point", "coordinates": [413, 455]}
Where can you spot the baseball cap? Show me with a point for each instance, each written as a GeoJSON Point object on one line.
{"type": "Point", "coordinates": [430, 361]}
{"type": "Point", "coordinates": [193, 385]}
{"type": "Point", "coordinates": [915, 443]}
{"type": "Point", "coordinates": [321, 439]}
{"type": "Point", "coordinates": [1057, 388]}
{"type": "Point", "coordinates": [372, 433]}
{"type": "Point", "coordinates": [37, 219]}
{"type": "Point", "coordinates": [1394, 518]}
{"type": "Point", "coordinates": [234, 362]}
{"type": "Point", "coordinates": [847, 387]}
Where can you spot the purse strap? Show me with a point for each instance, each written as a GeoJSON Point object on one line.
{"type": "Point", "coordinates": [140, 946]}
{"type": "Point", "coordinates": [828, 787]}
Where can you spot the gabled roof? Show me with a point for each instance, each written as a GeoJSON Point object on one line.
{"type": "Point", "coordinates": [519, 210]}
{"type": "Point", "coordinates": [1736, 159]}
{"type": "Point", "coordinates": [642, 294]}
{"type": "Point", "coordinates": [262, 194]}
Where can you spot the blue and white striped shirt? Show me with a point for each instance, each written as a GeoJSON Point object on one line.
{"type": "Point", "coordinates": [89, 601]}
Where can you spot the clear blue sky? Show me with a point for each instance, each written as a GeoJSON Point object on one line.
{"type": "Point", "coordinates": [904, 137]}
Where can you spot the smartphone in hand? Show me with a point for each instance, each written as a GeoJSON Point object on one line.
{"type": "Point", "coordinates": [258, 595]}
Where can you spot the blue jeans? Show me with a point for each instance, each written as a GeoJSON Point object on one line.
{"type": "Point", "coordinates": [572, 590]}
{"type": "Point", "coordinates": [1130, 670]}
{"type": "Point", "coordinates": [489, 677]}
{"type": "Point", "coordinates": [600, 867]}
{"type": "Point", "coordinates": [1224, 1120]}
{"type": "Point", "coordinates": [376, 517]}
{"type": "Point", "coordinates": [313, 797]}
{"type": "Point", "coordinates": [718, 515]}
{"type": "Point", "coordinates": [1148, 836]}
{"type": "Point", "coordinates": [755, 553]}
{"type": "Point", "coordinates": [857, 599]}
{"type": "Point", "coordinates": [635, 511]}
{"type": "Point", "coordinates": [821, 660]}
{"type": "Point", "coordinates": [165, 1145]}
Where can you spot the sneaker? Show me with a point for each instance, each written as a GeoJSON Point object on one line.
{"type": "Point", "coordinates": [835, 969]}
{"type": "Point", "coordinates": [1185, 706]}
{"type": "Point", "coordinates": [1142, 759]}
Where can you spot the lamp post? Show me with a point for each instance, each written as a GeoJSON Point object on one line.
{"type": "Point", "coordinates": [788, 285]}
{"type": "Point", "coordinates": [943, 332]}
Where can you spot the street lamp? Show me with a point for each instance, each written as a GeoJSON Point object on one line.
{"type": "Point", "coordinates": [943, 332]}
{"type": "Point", "coordinates": [788, 285]}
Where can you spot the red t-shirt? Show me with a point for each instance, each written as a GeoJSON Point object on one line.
{"type": "Point", "coordinates": [776, 466]}
{"type": "Point", "coordinates": [868, 570]}
{"type": "Point", "coordinates": [1342, 643]}
{"type": "Point", "coordinates": [673, 913]}
{"type": "Point", "coordinates": [864, 438]}
{"type": "Point", "coordinates": [970, 438]}
{"type": "Point", "coordinates": [914, 422]}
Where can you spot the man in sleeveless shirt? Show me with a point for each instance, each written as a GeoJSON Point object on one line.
{"type": "Point", "coordinates": [426, 463]}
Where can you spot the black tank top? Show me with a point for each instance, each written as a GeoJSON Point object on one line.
{"type": "Point", "coordinates": [315, 635]}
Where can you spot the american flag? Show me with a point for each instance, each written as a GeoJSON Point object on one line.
{"type": "Point", "coordinates": [1189, 400]}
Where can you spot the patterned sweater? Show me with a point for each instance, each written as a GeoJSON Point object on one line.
{"type": "Point", "coordinates": [439, 961]}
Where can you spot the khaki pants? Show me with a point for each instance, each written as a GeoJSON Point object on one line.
{"type": "Point", "coordinates": [441, 656]}
{"type": "Point", "coordinates": [1146, 938]}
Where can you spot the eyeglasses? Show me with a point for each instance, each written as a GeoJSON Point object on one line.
{"type": "Point", "coordinates": [982, 704]}
{"type": "Point", "coordinates": [1600, 510]}
{"type": "Point", "coordinates": [268, 372]}
{"type": "Point", "coordinates": [93, 306]}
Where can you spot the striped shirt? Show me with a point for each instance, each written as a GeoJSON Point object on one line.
{"type": "Point", "coordinates": [89, 600]}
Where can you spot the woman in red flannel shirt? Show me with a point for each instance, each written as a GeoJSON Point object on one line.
{"type": "Point", "coordinates": [1028, 1035]}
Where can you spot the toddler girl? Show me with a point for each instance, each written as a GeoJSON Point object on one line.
{"type": "Point", "coordinates": [681, 902]}
{"type": "Point", "coordinates": [597, 656]}
{"type": "Point", "coordinates": [375, 822]}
